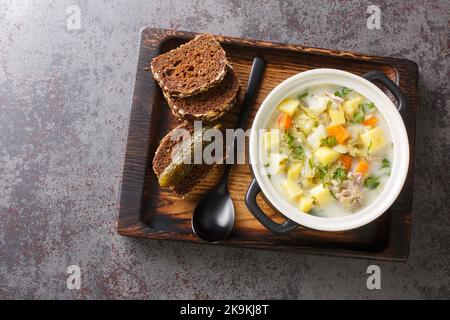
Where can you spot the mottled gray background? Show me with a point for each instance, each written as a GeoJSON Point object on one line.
{"type": "Point", "coordinates": [65, 103]}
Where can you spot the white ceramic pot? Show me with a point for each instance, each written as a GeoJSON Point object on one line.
{"type": "Point", "coordinates": [397, 132]}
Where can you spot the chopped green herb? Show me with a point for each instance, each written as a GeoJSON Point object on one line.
{"type": "Point", "coordinates": [332, 194]}
{"type": "Point", "coordinates": [343, 93]}
{"type": "Point", "coordinates": [368, 106]}
{"type": "Point", "coordinates": [329, 104]}
{"type": "Point", "coordinates": [266, 165]}
{"type": "Point", "coordinates": [370, 145]}
{"type": "Point", "coordinates": [298, 152]}
{"type": "Point", "coordinates": [290, 138]}
{"type": "Point", "coordinates": [358, 117]}
{"type": "Point", "coordinates": [296, 149]}
{"type": "Point", "coordinates": [329, 141]}
{"type": "Point", "coordinates": [372, 182]}
{"type": "Point", "coordinates": [311, 165]}
{"type": "Point", "coordinates": [321, 171]}
{"type": "Point", "coordinates": [303, 95]}
{"type": "Point", "coordinates": [385, 164]}
{"type": "Point", "coordinates": [269, 175]}
{"type": "Point", "coordinates": [339, 174]}
{"type": "Point", "coordinates": [363, 108]}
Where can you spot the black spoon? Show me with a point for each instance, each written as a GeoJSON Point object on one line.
{"type": "Point", "coordinates": [213, 217]}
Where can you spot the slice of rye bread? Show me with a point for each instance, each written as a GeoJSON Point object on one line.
{"type": "Point", "coordinates": [191, 68]}
{"type": "Point", "coordinates": [163, 158]}
{"type": "Point", "coordinates": [209, 105]}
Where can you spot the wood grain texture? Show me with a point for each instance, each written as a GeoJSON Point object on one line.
{"type": "Point", "coordinates": [144, 210]}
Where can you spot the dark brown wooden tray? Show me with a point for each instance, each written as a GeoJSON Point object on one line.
{"type": "Point", "coordinates": [146, 211]}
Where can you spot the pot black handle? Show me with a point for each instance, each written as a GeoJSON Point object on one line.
{"type": "Point", "coordinates": [252, 205]}
{"type": "Point", "coordinates": [402, 100]}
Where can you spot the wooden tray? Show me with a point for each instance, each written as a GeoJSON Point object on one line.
{"type": "Point", "coordinates": [146, 211]}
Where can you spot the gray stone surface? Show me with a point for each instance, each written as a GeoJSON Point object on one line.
{"type": "Point", "coordinates": [65, 102]}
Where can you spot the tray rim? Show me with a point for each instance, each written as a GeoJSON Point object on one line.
{"type": "Point", "coordinates": [131, 225]}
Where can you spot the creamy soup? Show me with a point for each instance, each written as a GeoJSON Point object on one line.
{"type": "Point", "coordinates": [327, 151]}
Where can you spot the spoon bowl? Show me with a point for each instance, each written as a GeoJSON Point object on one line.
{"type": "Point", "coordinates": [213, 217]}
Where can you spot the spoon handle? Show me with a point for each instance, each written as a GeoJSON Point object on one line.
{"type": "Point", "coordinates": [252, 88]}
{"type": "Point", "coordinates": [254, 81]}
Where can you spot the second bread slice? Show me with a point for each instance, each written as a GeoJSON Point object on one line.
{"type": "Point", "coordinates": [209, 105]}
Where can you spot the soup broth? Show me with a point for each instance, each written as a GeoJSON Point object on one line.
{"type": "Point", "coordinates": [327, 151]}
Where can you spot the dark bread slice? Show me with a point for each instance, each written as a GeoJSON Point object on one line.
{"type": "Point", "coordinates": [209, 105]}
{"type": "Point", "coordinates": [163, 158]}
{"type": "Point", "coordinates": [192, 68]}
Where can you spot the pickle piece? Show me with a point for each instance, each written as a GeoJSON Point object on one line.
{"type": "Point", "coordinates": [182, 162]}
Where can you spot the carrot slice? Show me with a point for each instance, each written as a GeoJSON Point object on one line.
{"type": "Point", "coordinates": [284, 121]}
{"type": "Point", "coordinates": [362, 167]}
{"type": "Point", "coordinates": [347, 162]}
{"type": "Point", "coordinates": [371, 121]}
{"type": "Point", "coordinates": [339, 132]}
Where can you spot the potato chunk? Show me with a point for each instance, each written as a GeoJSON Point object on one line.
{"type": "Point", "coordinates": [292, 190]}
{"type": "Point", "coordinates": [326, 155]}
{"type": "Point", "coordinates": [289, 106]}
{"type": "Point", "coordinates": [351, 106]}
{"type": "Point", "coordinates": [307, 182]}
{"type": "Point", "coordinates": [321, 195]}
{"type": "Point", "coordinates": [294, 171]}
{"type": "Point", "coordinates": [374, 139]}
{"type": "Point", "coordinates": [278, 163]}
{"type": "Point", "coordinates": [306, 203]}
{"type": "Point", "coordinates": [337, 116]}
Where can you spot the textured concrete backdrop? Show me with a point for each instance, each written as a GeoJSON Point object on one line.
{"type": "Point", "coordinates": [65, 103]}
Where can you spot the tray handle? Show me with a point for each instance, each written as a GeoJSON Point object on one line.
{"type": "Point", "coordinates": [252, 205]}
{"type": "Point", "coordinates": [402, 100]}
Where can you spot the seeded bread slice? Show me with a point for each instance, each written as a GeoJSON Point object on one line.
{"type": "Point", "coordinates": [189, 174]}
{"type": "Point", "coordinates": [192, 68]}
{"type": "Point", "coordinates": [209, 105]}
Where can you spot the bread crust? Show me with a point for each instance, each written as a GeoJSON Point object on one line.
{"type": "Point", "coordinates": [208, 106]}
